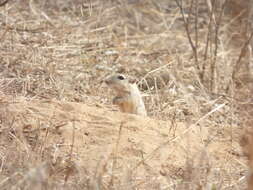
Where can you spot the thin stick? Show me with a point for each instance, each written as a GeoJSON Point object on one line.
{"type": "Point", "coordinates": [3, 3]}
{"type": "Point", "coordinates": [186, 24]}
{"type": "Point", "coordinates": [115, 155]}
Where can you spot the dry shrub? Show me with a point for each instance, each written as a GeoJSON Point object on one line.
{"type": "Point", "coordinates": [186, 54]}
{"type": "Point", "coordinates": [242, 75]}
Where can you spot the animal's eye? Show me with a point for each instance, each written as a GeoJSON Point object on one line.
{"type": "Point", "coordinates": [121, 77]}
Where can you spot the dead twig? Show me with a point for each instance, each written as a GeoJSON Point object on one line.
{"type": "Point", "coordinates": [3, 3]}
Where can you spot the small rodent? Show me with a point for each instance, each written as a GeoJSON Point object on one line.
{"type": "Point", "coordinates": [128, 96]}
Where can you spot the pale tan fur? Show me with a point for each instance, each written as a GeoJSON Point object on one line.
{"type": "Point", "coordinates": [128, 96]}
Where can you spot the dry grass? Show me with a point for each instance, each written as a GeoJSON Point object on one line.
{"type": "Point", "coordinates": [193, 65]}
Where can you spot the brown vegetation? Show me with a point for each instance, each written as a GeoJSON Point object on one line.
{"type": "Point", "coordinates": [58, 129]}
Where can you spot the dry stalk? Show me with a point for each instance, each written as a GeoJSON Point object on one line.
{"type": "Point", "coordinates": [115, 155]}
{"type": "Point", "coordinates": [212, 39]}
{"type": "Point", "coordinates": [70, 164]}
{"type": "Point", "coordinates": [127, 183]}
{"type": "Point", "coordinates": [188, 32]}
{"type": "Point", "coordinates": [236, 67]}
{"type": "Point", "coordinates": [37, 12]}
{"type": "Point", "coordinates": [96, 182]}
{"type": "Point", "coordinates": [3, 3]}
{"type": "Point", "coordinates": [217, 23]}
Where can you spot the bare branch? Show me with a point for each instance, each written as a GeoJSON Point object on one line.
{"type": "Point", "coordinates": [3, 3]}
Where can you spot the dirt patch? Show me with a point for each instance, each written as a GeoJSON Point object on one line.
{"type": "Point", "coordinates": [110, 144]}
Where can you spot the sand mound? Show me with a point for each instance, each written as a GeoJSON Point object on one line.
{"type": "Point", "coordinates": [138, 150]}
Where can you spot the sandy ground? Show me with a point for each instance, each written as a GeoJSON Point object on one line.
{"type": "Point", "coordinates": [106, 142]}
